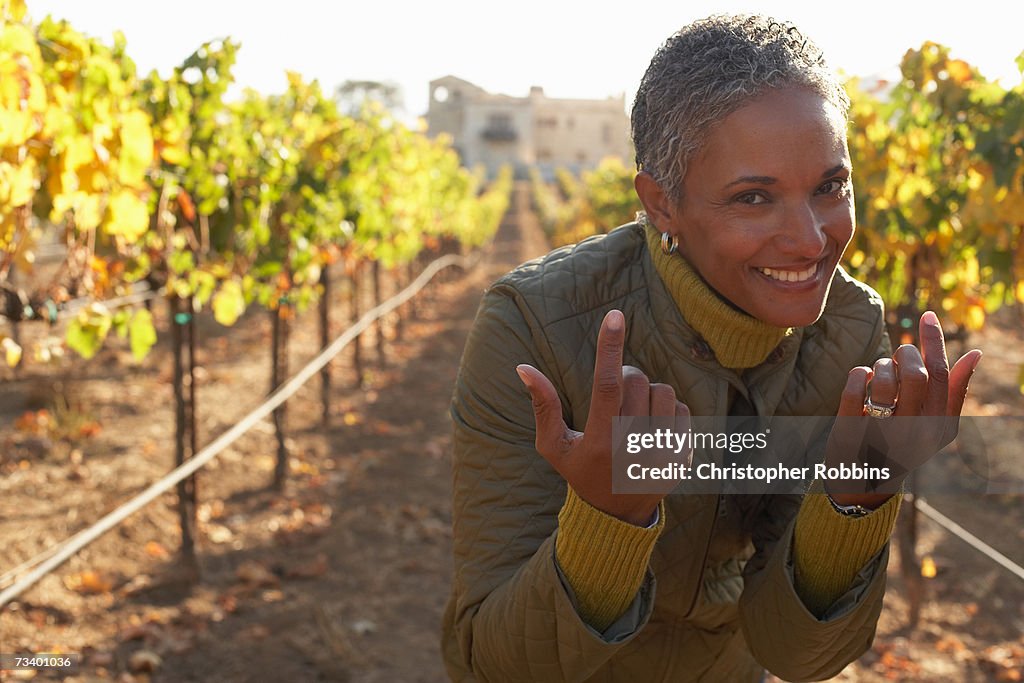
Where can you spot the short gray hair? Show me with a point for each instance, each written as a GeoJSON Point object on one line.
{"type": "Point", "coordinates": [706, 71]}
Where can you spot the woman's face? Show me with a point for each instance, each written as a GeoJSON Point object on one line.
{"type": "Point", "coordinates": [767, 206]}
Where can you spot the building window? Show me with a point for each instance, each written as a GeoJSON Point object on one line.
{"type": "Point", "coordinates": [547, 122]}
{"type": "Point", "coordinates": [499, 128]}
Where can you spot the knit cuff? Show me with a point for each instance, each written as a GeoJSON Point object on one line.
{"type": "Point", "coordinates": [603, 558]}
{"type": "Point", "coordinates": [830, 548]}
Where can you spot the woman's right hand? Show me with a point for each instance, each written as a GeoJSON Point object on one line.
{"type": "Point", "coordinates": [584, 459]}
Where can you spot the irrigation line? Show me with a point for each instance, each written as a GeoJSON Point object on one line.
{"type": "Point", "coordinates": [139, 297]}
{"type": "Point", "coordinates": [83, 538]}
{"type": "Point", "coordinates": [69, 308]}
{"type": "Point", "coordinates": [970, 539]}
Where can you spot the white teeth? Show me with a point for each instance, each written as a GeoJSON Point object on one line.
{"type": "Point", "coordinates": [790, 275]}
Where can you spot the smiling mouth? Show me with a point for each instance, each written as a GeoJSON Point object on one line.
{"type": "Point", "coordinates": [790, 275]}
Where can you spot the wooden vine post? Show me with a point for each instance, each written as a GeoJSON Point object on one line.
{"type": "Point", "coordinates": [410, 275]}
{"type": "Point", "coordinates": [906, 531]}
{"type": "Point", "coordinates": [379, 324]}
{"type": "Point", "coordinates": [396, 277]}
{"type": "Point", "coordinates": [902, 329]}
{"type": "Point", "coordinates": [325, 339]}
{"type": "Point", "coordinates": [279, 372]}
{"type": "Point", "coordinates": [183, 337]}
{"type": "Point", "coordinates": [357, 343]}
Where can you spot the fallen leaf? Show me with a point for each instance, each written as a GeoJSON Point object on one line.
{"type": "Point", "coordinates": [34, 422]}
{"type": "Point", "coordinates": [218, 533]}
{"type": "Point", "coordinates": [89, 429]}
{"type": "Point", "coordinates": [144, 661]}
{"type": "Point", "coordinates": [255, 574]}
{"type": "Point", "coordinates": [950, 643]}
{"type": "Point", "coordinates": [309, 570]}
{"type": "Point", "coordinates": [155, 550]}
{"type": "Point", "coordinates": [88, 582]}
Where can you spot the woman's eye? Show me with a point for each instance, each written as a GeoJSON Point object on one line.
{"type": "Point", "coordinates": [751, 198]}
{"type": "Point", "coordinates": [834, 186]}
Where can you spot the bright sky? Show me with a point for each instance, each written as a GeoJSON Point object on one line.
{"type": "Point", "coordinates": [570, 48]}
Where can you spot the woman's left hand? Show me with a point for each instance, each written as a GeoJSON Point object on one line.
{"type": "Point", "coordinates": [917, 383]}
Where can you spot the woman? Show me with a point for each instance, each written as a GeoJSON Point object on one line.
{"type": "Point", "coordinates": [725, 299]}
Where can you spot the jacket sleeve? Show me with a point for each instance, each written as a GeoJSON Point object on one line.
{"type": "Point", "coordinates": [783, 635]}
{"type": "Point", "coordinates": [511, 615]}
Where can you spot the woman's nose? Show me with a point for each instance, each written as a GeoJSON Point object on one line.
{"type": "Point", "coordinates": [803, 232]}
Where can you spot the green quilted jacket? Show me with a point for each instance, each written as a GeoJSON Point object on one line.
{"type": "Point", "coordinates": [718, 602]}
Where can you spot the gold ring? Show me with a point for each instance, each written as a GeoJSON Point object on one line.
{"type": "Point", "coordinates": [880, 412]}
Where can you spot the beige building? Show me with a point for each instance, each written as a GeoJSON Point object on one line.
{"type": "Point", "coordinates": [535, 130]}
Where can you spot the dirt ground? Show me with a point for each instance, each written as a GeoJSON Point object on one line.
{"type": "Point", "coordinates": [344, 574]}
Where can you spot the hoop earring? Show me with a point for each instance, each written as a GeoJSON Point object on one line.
{"type": "Point", "coordinates": [669, 243]}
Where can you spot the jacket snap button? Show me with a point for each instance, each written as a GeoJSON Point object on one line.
{"type": "Point", "coordinates": [701, 350]}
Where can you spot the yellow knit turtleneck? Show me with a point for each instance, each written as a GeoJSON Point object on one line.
{"type": "Point", "coordinates": [738, 340]}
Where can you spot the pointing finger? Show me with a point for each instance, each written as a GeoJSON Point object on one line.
{"type": "Point", "coordinates": [933, 348]}
{"type": "Point", "coordinates": [606, 397]}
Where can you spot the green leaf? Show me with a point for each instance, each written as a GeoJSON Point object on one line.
{"type": "Point", "coordinates": [181, 262]}
{"type": "Point", "coordinates": [120, 323]}
{"type": "Point", "coordinates": [88, 329]}
{"type": "Point", "coordinates": [142, 333]}
{"type": "Point", "coordinates": [203, 284]}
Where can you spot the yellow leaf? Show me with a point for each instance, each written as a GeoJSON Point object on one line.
{"type": "Point", "coordinates": [17, 183]}
{"type": "Point", "coordinates": [128, 216]}
{"type": "Point", "coordinates": [12, 352]}
{"type": "Point", "coordinates": [78, 153]}
{"type": "Point", "coordinates": [14, 9]}
{"type": "Point", "coordinates": [136, 149]}
{"type": "Point", "coordinates": [174, 154]}
{"type": "Point", "coordinates": [1020, 291]}
{"type": "Point", "coordinates": [228, 303]}
{"type": "Point", "coordinates": [959, 70]}
{"type": "Point", "coordinates": [857, 258]}
{"type": "Point", "coordinates": [15, 127]}
{"type": "Point", "coordinates": [975, 318]}
{"type": "Point", "coordinates": [928, 569]}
